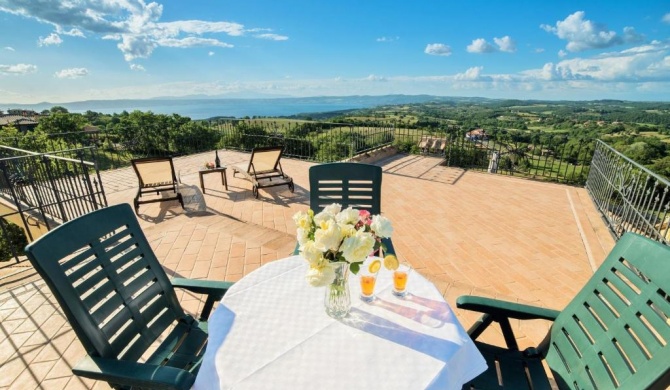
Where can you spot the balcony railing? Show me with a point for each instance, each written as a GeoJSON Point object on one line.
{"type": "Point", "coordinates": [525, 154]}
{"type": "Point", "coordinates": [40, 191]}
{"type": "Point", "coordinates": [629, 196]}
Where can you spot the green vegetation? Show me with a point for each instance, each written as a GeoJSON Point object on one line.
{"type": "Point", "coordinates": [639, 130]}
{"type": "Point", "coordinates": [11, 236]}
{"type": "Point", "coordinates": [533, 137]}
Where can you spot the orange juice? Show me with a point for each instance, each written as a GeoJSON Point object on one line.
{"type": "Point", "coordinates": [399, 280]}
{"type": "Point", "coordinates": [367, 285]}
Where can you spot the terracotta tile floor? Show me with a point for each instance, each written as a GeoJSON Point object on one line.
{"type": "Point", "coordinates": [470, 233]}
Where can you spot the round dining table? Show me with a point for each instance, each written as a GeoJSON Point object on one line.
{"type": "Point", "coordinates": [271, 331]}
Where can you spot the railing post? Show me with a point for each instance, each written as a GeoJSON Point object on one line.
{"type": "Point", "coordinates": [52, 183]}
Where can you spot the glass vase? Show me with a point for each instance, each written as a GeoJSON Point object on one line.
{"type": "Point", "coordinates": [337, 300]}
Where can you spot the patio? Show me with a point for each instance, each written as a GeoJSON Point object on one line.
{"type": "Point", "coordinates": [469, 233]}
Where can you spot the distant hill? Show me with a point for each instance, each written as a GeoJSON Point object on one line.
{"type": "Point", "coordinates": [199, 107]}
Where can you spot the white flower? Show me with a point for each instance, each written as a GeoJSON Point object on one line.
{"type": "Point", "coordinates": [347, 230]}
{"type": "Point", "coordinates": [321, 218]}
{"type": "Point", "coordinates": [329, 235]}
{"type": "Point", "coordinates": [348, 215]}
{"type": "Point", "coordinates": [302, 235]}
{"type": "Point", "coordinates": [381, 226]}
{"type": "Point", "coordinates": [312, 252]}
{"type": "Point", "coordinates": [333, 209]}
{"type": "Point", "coordinates": [321, 275]}
{"type": "Point", "coordinates": [358, 247]}
{"type": "Point", "coordinates": [303, 220]}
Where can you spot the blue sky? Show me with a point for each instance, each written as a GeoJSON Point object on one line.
{"type": "Point", "coordinates": [63, 51]}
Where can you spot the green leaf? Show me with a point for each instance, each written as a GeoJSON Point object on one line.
{"type": "Point", "coordinates": [354, 268]}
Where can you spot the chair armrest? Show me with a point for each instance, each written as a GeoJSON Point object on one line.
{"type": "Point", "coordinates": [128, 373]}
{"type": "Point", "coordinates": [203, 286]}
{"type": "Point", "coordinates": [506, 309]}
{"type": "Point", "coordinates": [501, 312]}
{"type": "Point", "coordinates": [214, 289]}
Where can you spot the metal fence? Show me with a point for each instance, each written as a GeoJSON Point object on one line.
{"type": "Point", "coordinates": [527, 154]}
{"type": "Point", "coordinates": [40, 191]}
{"type": "Point", "coordinates": [630, 197]}
{"type": "Point", "coordinates": [533, 155]}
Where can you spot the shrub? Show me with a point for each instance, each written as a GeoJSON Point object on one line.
{"type": "Point", "coordinates": [11, 236]}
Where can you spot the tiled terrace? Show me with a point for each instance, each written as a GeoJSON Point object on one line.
{"type": "Point", "coordinates": [467, 232]}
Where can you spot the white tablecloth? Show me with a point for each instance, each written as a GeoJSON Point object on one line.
{"type": "Point", "coordinates": [271, 331]}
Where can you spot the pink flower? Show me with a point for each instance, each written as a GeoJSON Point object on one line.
{"type": "Point", "coordinates": [364, 215]}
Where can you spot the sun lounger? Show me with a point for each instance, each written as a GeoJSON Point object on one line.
{"type": "Point", "coordinates": [425, 143]}
{"type": "Point", "coordinates": [264, 169]}
{"type": "Point", "coordinates": [155, 174]}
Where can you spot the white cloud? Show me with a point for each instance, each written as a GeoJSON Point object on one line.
{"type": "Point", "coordinates": [71, 73]}
{"type": "Point", "coordinates": [562, 53]}
{"type": "Point", "coordinates": [480, 46]}
{"type": "Point", "coordinates": [191, 42]}
{"type": "Point", "coordinates": [211, 53]}
{"type": "Point", "coordinates": [646, 63]}
{"type": "Point", "coordinates": [52, 39]}
{"type": "Point", "coordinates": [272, 37]}
{"type": "Point", "coordinates": [373, 77]}
{"type": "Point", "coordinates": [134, 23]}
{"type": "Point", "coordinates": [539, 50]}
{"type": "Point", "coordinates": [438, 49]}
{"type": "Point", "coordinates": [387, 39]}
{"type": "Point", "coordinates": [9, 48]}
{"type": "Point", "coordinates": [666, 18]}
{"type": "Point", "coordinates": [584, 34]}
{"type": "Point", "coordinates": [18, 69]}
{"type": "Point", "coordinates": [200, 27]}
{"type": "Point", "coordinates": [75, 32]}
{"type": "Point", "coordinates": [505, 44]}
{"type": "Point", "coordinates": [136, 46]}
{"type": "Point", "coordinates": [137, 67]}
{"type": "Point", "coordinates": [472, 74]}
{"type": "Point", "coordinates": [631, 36]}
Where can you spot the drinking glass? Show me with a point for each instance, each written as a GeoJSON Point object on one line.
{"type": "Point", "coordinates": [368, 277]}
{"type": "Point", "coordinates": [400, 276]}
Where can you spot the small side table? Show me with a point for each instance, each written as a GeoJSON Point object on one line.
{"type": "Point", "coordinates": [224, 180]}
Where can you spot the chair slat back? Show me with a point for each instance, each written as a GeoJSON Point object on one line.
{"type": "Point", "coordinates": [108, 282]}
{"type": "Point", "coordinates": [264, 159]}
{"type": "Point", "coordinates": [154, 171]}
{"type": "Point", "coordinates": [616, 332]}
{"type": "Point", "coordinates": [349, 184]}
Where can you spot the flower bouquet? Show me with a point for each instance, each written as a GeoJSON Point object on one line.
{"type": "Point", "coordinates": [335, 241]}
{"type": "Point", "coordinates": [335, 236]}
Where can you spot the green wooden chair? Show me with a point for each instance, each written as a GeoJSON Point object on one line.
{"type": "Point", "coordinates": [349, 184]}
{"type": "Point", "coordinates": [615, 334]}
{"type": "Point", "coordinates": [119, 301]}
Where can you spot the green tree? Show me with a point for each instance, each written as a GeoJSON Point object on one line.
{"type": "Point", "coordinates": [59, 109]}
{"type": "Point", "coordinates": [12, 239]}
{"type": "Point", "coordinates": [661, 166]}
{"type": "Point", "coordinates": [61, 122]}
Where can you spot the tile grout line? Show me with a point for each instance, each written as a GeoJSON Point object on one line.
{"type": "Point", "coordinates": [587, 247]}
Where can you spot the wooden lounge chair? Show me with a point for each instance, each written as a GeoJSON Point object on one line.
{"type": "Point", "coordinates": [120, 303]}
{"type": "Point", "coordinates": [615, 334]}
{"type": "Point", "coordinates": [437, 145]}
{"type": "Point", "coordinates": [155, 174]}
{"type": "Point", "coordinates": [425, 143]}
{"type": "Point", "coordinates": [442, 146]}
{"type": "Point", "coordinates": [264, 169]}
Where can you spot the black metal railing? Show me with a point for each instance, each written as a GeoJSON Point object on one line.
{"type": "Point", "coordinates": [533, 155]}
{"type": "Point", "coordinates": [40, 191]}
{"type": "Point", "coordinates": [545, 156]}
{"type": "Point", "coordinates": [630, 197]}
